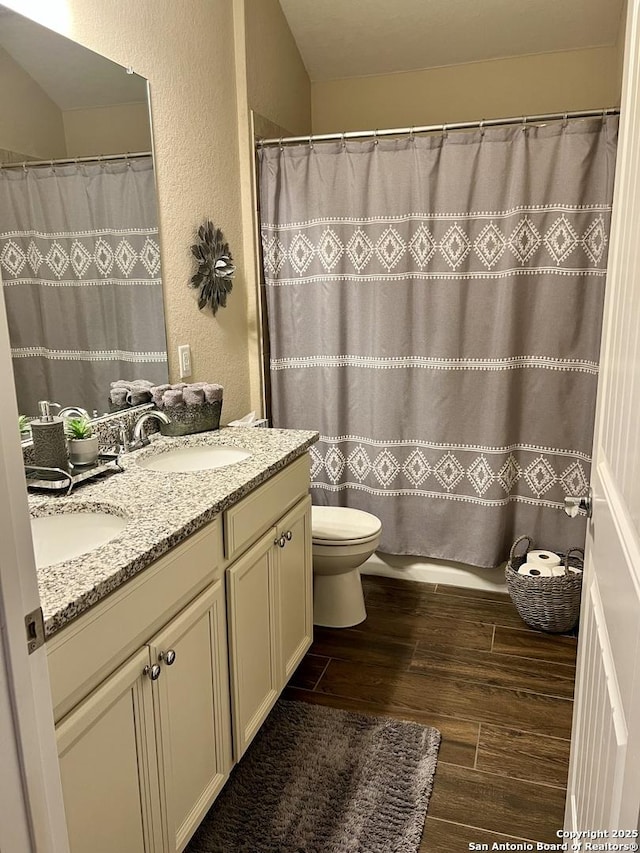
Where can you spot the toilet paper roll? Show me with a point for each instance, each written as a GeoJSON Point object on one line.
{"type": "Point", "coordinates": [536, 571]}
{"type": "Point", "coordinates": [547, 571]}
{"type": "Point", "coordinates": [543, 558]}
{"type": "Point", "coordinates": [557, 571]}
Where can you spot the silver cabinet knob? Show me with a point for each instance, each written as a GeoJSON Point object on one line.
{"type": "Point", "coordinates": [168, 657]}
{"type": "Point", "coordinates": [281, 541]}
{"type": "Point", "coordinates": [153, 672]}
{"type": "Point", "coordinates": [289, 535]}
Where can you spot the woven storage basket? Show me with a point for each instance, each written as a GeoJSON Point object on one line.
{"type": "Point", "coordinates": [187, 419]}
{"type": "Point", "coordinates": [548, 604]}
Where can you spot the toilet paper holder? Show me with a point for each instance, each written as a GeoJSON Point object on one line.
{"type": "Point", "coordinates": [573, 505]}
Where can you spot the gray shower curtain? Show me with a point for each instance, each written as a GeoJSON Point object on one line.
{"type": "Point", "coordinates": [80, 261]}
{"type": "Point", "coordinates": [434, 310]}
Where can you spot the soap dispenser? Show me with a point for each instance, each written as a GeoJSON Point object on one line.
{"type": "Point", "coordinates": [49, 440]}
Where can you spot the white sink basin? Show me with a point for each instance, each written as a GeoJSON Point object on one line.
{"type": "Point", "coordinates": [69, 534]}
{"type": "Point", "coordinates": [185, 459]}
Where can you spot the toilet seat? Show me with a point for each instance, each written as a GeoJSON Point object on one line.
{"type": "Point", "coordinates": [342, 526]}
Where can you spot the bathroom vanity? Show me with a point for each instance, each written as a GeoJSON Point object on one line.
{"type": "Point", "coordinates": [168, 646]}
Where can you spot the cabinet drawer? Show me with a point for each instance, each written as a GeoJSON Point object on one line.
{"type": "Point", "coordinates": [91, 648]}
{"type": "Point", "coordinates": [245, 522]}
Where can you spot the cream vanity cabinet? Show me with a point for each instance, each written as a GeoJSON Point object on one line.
{"type": "Point", "coordinates": [145, 754]}
{"type": "Point", "coordinates": [149, 684]}
{"type": "Point", "coordinates": [270, 619]}
{"type": "Point", "coordinates": [269, 595]}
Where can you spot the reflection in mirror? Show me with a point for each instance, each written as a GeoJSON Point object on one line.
{"type": "Point", "coordinates": [79, 243]}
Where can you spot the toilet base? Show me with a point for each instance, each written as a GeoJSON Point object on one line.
{"type": "Point", "coordinates": [338, 601]}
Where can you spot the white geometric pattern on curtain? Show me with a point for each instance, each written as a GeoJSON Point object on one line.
{"type": "Point", "coordinates": [434, 310]}
{"type": "Point", "coordinates": [80, 261]}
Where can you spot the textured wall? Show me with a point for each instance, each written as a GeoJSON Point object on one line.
{"type": "Point", "coordinates": [273, 84]}
{"type": "Point", "coordinates": [277, 82]}
{"type": "Point", "coordinates": [620, 43]}
{"type": "Point", "coordinates": [118, 129]}
{"type": "Point", "coordinates": [186, 49]}
{"type": "Point", "coordinates": [31, 123]}
{"type": "Point", "coordinates": [552, 82]}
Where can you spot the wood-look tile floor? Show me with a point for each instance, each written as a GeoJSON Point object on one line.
{"type": "Point", "coordinates": [463, 661]}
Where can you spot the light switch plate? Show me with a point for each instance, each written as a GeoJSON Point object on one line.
{"type": "Point", "coordinates": [184, 360]}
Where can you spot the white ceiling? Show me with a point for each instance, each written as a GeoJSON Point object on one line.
{"type": "Point", "coordinates": [71, 75]}
{"type": "Point", "coordinates": [353, 38]}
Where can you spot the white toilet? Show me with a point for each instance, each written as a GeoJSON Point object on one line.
{"type": "Point", "coordinates": [343, 539]}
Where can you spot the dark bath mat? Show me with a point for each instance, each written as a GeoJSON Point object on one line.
{"type": "Point", "coordinates": [320, 780]}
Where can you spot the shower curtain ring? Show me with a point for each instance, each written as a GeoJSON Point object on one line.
{"type": "Point", "coordinates": [311, 143]}
{"type": "Point", "coordinates": [344, 141]}
{"type": "Point", "coordinates": [525, 119]}
{"type": "Point", "coordinates": [375, 136]}
{"type": "Point", "coordinates": [565, 120]}
{"type": "Point", "coordinates": [445, 132]}
{"type": "Point", "coordinates": [482, 127]}
{"type": "Point", "coordinates": [604, 116]}
{"type": "Point", "coordinates": [411, 135]}
{"type": "Point", "coordinates": [280, 145]}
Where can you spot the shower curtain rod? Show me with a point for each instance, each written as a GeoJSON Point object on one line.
{"type": "Point", "coordinates": [435, 128]}
{"type": "Point", "coordinates": [69, 161]}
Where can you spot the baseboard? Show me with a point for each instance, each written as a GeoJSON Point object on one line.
{"type": "Point", "coordinates": [427, 570]}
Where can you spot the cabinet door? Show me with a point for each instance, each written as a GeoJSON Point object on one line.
{"type": "Point", "coordinates": [294, 589]}
{"type": "Point", "coordinates": [254, 676]}
{"type": "Point", "coordinates": [108, 766]}
{"type": "Point", "coordinates": [193, 720]}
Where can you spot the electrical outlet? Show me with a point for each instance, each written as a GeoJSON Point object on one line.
{"type": "Point", "coordinates": [184, 360]}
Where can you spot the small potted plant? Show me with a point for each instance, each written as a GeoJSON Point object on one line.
{"type": "Point", "coordinates": [23, 426]}
{"type": "Point", "coordinates": [82, 443]}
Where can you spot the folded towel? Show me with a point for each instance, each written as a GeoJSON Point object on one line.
{"type": "Point", "coordinates": [156, 393]}
{"type": "Point", "coordinates": [173, 397]}
{"type": "Point", "coordinates": [118, 396]}
{"type": "Point", "coordinates": [137, 398]}
{"type": "Point", "coordinates": [132, 383]}
{"type": "Point", "coordinates": [193, 396]}
{"type": "Point", "coordinates": [213, 393]}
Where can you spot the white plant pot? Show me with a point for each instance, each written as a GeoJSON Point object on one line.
{"type": "Point", "coordinates": [83, 451]}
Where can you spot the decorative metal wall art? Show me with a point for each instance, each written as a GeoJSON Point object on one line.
{"type": "Point", "coordinates": [215, 267]}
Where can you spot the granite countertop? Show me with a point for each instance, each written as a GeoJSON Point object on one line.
{"type": "Point", "coordinates": [163, 509]}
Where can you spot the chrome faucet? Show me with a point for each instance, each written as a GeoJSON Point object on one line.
{"type": "Point", "coordinates": [72, 412]}
{"type": "Point", "coordinates": [140, 438]}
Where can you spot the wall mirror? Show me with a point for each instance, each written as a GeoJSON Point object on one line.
{"type": "Point", "coordinates": [79, 242]}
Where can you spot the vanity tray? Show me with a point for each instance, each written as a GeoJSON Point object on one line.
{"type": "Point", "coordinates": [56, 479]}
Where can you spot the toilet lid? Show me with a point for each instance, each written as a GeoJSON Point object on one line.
{"type": "Point", "coordinates": [342, 524]}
